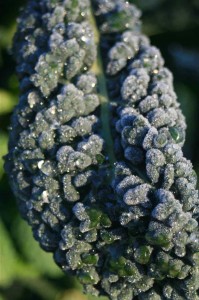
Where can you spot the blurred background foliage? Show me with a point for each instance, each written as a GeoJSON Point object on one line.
{"type": "Point", "coordinates": [26, 272]}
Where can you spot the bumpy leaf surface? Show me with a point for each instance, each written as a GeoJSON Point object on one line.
{"type": "Point", "coordinates": [95, 154]}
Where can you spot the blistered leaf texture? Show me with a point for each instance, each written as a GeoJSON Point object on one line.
{"type": "Point", "coordinates": [128, 229]}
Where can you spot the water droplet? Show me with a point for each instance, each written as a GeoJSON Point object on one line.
{"type": "Point", "coordinates": [40, 163]}
{"type": "Point", "coordinates": [45, 196]}
{"type": "Point", "coordinates": [177, 134]}
{"type": "Point", "coordinates": [155, 71]}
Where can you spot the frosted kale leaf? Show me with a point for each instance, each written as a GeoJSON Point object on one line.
{"type": "Point", "coordinates": [95, 154]}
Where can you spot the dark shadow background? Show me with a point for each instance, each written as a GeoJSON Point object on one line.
{"type": "Point", "coordinates": [26, 272]}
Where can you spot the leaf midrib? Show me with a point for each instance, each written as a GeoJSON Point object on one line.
{"type": "Point", "coordinates": [98, 70]}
